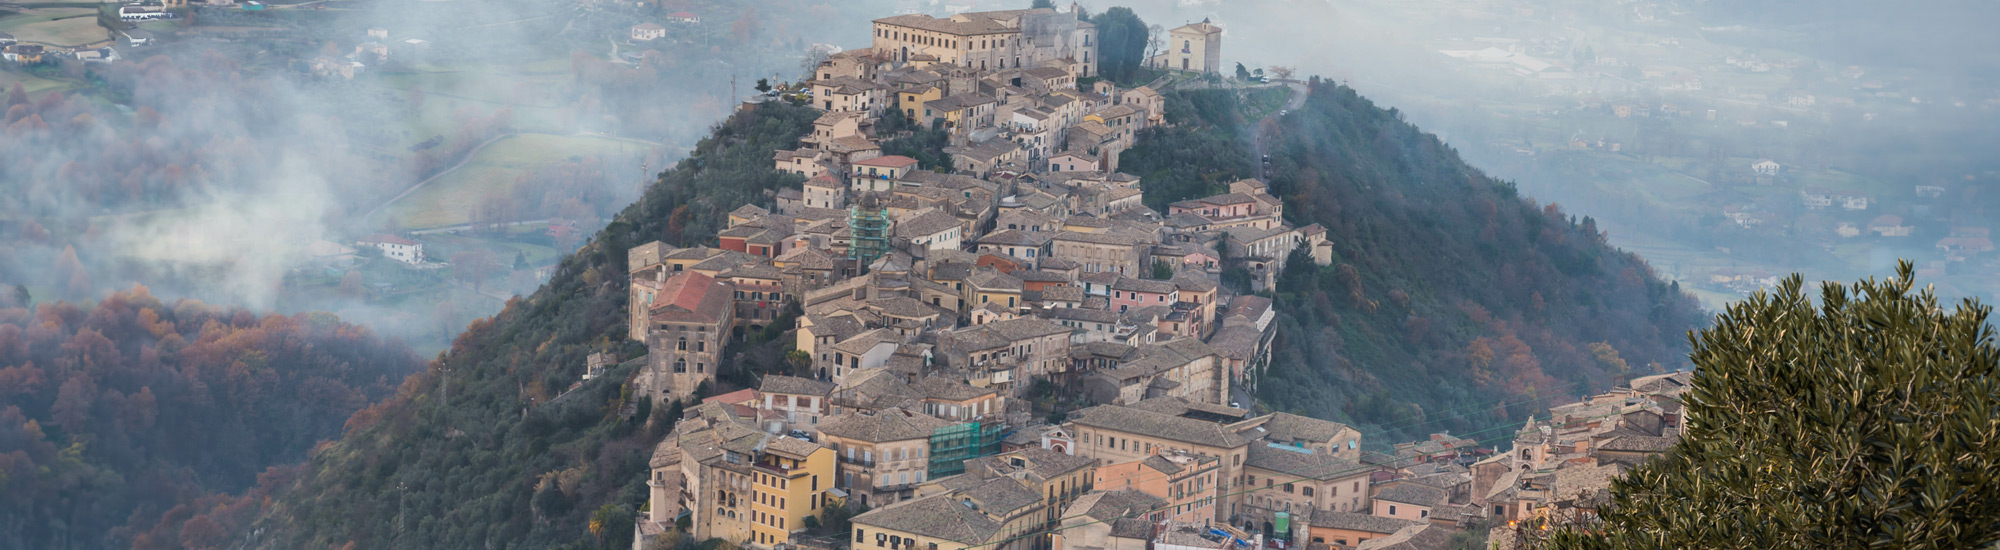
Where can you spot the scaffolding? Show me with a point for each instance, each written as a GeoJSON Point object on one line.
{"type": "Point", "coordinates": [868, 222]}
{"type": "Point", "coordinates": [951, 446]}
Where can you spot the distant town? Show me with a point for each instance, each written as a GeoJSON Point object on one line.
{"type": "Point", "coordinates": [940, 315]}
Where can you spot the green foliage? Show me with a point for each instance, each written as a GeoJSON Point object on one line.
{"type": "Point", "coordinates": [1865, 421]}
{"type": "Point", "coordinates": [1121, 45]}
{"type": "Point", "coordinates": [460, 469]}
{"type": "Point", "coordinates": [611, 524]}
{"type": "Point", "coordinates": [924, 144]}
{"type": "Point", "coordinates": [1162, 270]}
{"type": "Point", "coordinates": [1199, 155]}
{"type": "Point", "coordinates": [1434, 262]}
{"type": "Point", "coordinates": [1039, 4]}
{"type": "Point", "coordinates": [1242, 73]}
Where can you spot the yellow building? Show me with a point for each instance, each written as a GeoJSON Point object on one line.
{"type": "Point", "coordinates": [736, 482]}
{"type": "Point", "coordinates": [912, 99]}
{"type": "Point", "coordinates": [789, 483]}
{"type": "Point", "coordinates": [1193, 47]}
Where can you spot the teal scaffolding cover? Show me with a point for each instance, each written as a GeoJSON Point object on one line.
{"type": "Point", "coordinates": [952, 445]}
{"type": "Point", "coordinates": [869, 226]}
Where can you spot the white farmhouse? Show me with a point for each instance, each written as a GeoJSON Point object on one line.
{"type": "Point", "coordinates": [395, 248]}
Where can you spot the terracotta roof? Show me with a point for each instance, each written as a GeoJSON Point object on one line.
{"type": "Point", "coordinates": [692, 297]}
{"type": "Point", "coordinates": [892, 161]}
{"type": "Point", "coordinates": [1035, 464]}
{"type": "Point", "coordinates": [1358, 522]}
{"type": "Point", "coordinates": [1131, 420]}
{"type": "Point", "coordinates": [948, 389]}
{"type": "Point", "coordinates": [889, 425]}
{"type": "Point", "coordinates": [1413, 493]}
{"type": "Point", "coordinates": [1112, 505]}
{"type": "Point", "coordinates": [850, 144]}
{"type": "Point", "coordinates": [1131, 284]}
{"type": "Point", "coordinates": [1291, 427]}
{"type": "Point", "coordinates": [1304, 463]}
{"type": "Point", "coordinates": [1418, 536]}
{"type": "Point", "coordinates": [738, 396]}
{"type": "Point", "coordinates": [941, 517]}
{"type": "Point", "coordinates": [794, 385]}
{"type": "Point", "coordinates": [931, 222]}
{"type": "Point", "coordinates": [1014, 237]}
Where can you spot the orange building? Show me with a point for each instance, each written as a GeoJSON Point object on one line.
{"type": "Point", "coordinates": [1185, 481]}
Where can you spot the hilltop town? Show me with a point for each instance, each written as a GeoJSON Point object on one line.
{"type": "Point", "coordinates": [940, 315]}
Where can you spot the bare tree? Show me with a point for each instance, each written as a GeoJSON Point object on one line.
{"type": "Point", "coordinates": [810, 65]}
{"type": "Point", "coordinates": [1156, 39]}
{"type": "Point", "coordinates": [1279, 72]}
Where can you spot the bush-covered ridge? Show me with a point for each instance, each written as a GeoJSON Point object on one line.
{"type": "Point", "coordinates": [1449, 293]}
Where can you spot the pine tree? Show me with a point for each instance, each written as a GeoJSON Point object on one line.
{"type": "Point", "coordinates": [1865, 421]}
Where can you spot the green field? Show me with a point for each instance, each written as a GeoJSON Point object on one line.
{"type": "Point", "coordinates": [33, 85]}
{"type": "Point", "coordinates": [449, 199]}
{"type": "Point", "coordinates": [54, 26]}
{"type": "Point", "coordinates": [530, 90]}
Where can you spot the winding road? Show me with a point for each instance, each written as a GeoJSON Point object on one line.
{"type": "Point", "coordinates": [1297, 100]}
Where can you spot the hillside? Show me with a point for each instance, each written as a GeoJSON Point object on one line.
{"type": "Point", "coordinates": [1434, 260]}
{"type": "Point", "coordinates": [120, 412]}
{"type": "Point", "coordinates": [479, 451]}
{"type": "Point", "coordinates": [1453, 303]}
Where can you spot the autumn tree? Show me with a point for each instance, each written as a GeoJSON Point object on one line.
{"type": "Point", "coordinates": [1865, 420]}
{"type": "Point", "coordinates": [87, 457]}
{"type": "Point", "coordinates": [70, 273]}
{"type": "Point", "coordinates": [350, 283]}
{"type": "Point", "coordinates": [473, 267]}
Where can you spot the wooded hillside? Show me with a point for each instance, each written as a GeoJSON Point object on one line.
{"type": "Point", "coordinates": [1453, 302]}
{"type": "Point", "coordinates": [131, 409]}
{"type": "Point", "coordinates": [483, 450]}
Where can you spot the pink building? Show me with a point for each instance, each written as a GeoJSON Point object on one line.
{"type": "Point", "coordinates": [1129, 293]}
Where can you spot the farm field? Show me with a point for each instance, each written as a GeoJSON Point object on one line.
{"type": "Point", "coordinates": [54, 26]}
{"type": "Point", "coordinates": [492, 171]}
{"type": "Point", "coordinates": [33, 85]}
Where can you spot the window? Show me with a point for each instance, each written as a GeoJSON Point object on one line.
{"type": "Point", "coordinates": [1423, 513]}
{"type": "Point", "coordinates": [1392, 509]}
{"type": "Point", "coordinates": [1308, 491]}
